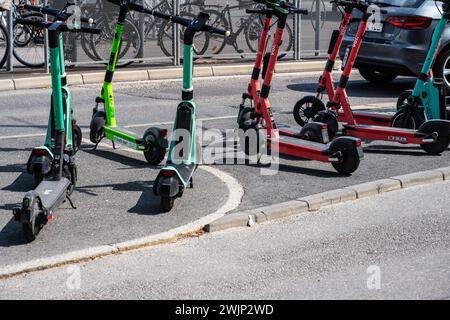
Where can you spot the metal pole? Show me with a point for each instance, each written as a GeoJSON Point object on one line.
{"type": "Point", "coordinates": [176, 34]}
{"type": "Point", "coordinates": [317, 42]}
{"type": "Point", "coordinates": [141, 33]}
{"type": "Point", "coordinates": [297, 31]}
{"type": "Point", "coordinates": [9, 63]}
{"type": "Point", "coordinates": [46, 60]}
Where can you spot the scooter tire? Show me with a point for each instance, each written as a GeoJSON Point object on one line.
{"type": "Point", "coordinates": [167, 203]}
{"type": "Point", "coordinates": [306, 109]}
{"type": "Point", "coordinates": [31, 229]}
{"type": "Point", "coordinates": [350, 161]}
{"type": "Point", "coordinates": [96, 127]}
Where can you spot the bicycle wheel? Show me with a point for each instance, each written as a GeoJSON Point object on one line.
{"type": "Point", "coordinates": [100, 45]}
{"type": "Point", "coordinates": [165, 37]}
{"type": "Point", "coordinates": [253, 42]}
{"type": "Point", "coordinates": [29, 47]}
{"type": "Point", "coordinates": [217, 42]}
{"type": "Point", "coordinates": [253, 33]}
{"type": "Point", "coordinates": [4, 45]}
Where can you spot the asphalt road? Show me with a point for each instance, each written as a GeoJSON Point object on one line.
{"type": "Point", "coordinates": [114, 198]}
{"type": "Point", "coordinates": [392, 246]}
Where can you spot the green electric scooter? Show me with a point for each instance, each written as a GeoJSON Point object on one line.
{"type": "Point", "coordinates": [428, 99]}
{"type": "Point", "coordinates": [55, 160]}
{"type": "Point", "coordinates": [40, 160]}
{"type": "Point", "coordinates": [103, 124]}
{"type": "Point", "coordinates": [181, 164]}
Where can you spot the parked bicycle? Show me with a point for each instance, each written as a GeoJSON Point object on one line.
{"type": "Point", "coordinates": [28, 40]}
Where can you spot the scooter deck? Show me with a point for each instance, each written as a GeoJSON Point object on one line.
{"type": "Point", "coordinates": [368, 118]}
{"type": "Point", "coordinates": [124, 136]}
{"type": "Point", "coordinates": [401, 135]}
{"type": "Point", "coordinates": [52, 193]}
{"type": "Point", "coordinates": [296, 147]}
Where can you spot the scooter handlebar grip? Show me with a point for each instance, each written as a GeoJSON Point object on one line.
{"type": "Point", "coordinates": [33, 23]}
{"type": "Point", "coordinates": [44, 10]}
{"type": "Point", "coordinates": [298, 11]}
{"type": "Point", "coordinates": [215, 30]}
{"type": "Point", "coordinates": [259, 11]}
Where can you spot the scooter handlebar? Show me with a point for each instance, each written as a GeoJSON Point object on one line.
{"type": "Point", "coordinates": [55, 12]}
{"type": "Point", "coordinates": [64, 27]}
{"type": "Point", "coordinates": [175, 19]}
{"type": "Point", "coordinates": [271, 11]}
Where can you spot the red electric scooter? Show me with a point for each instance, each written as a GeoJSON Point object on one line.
{"type": "Point", "coordinates": [306, 109]}
{"type": "Point", "coordinates": [311, 142]}
{"type": "Point", "coordinates": [433, 136]}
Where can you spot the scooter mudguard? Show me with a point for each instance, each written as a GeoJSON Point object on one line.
{"type": "Point", "coordinates": [40, 162]}
{"type": "Point", "coordinates": [435, 99]}
{"type": "Point", "coordinates": [441, 127]}
{"type": "Point", "coordinates": [23, 214]}
{"type": "Point", "coordinates": [166, 186]}
{"type": "Point", "coordinates": [158, 137]}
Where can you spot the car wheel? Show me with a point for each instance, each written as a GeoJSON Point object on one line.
{"type": "Point", "coordinates": [376, 76]}
{"type": "Point", "coordinates": [441, 67]}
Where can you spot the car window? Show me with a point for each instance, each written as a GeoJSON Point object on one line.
{"type": "Point", "coordinates": [402, 3]}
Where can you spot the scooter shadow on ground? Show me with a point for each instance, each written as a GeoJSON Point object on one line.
{"type": "Point", "coordinates": [11, 234]}
{"type": "Point", "coordinates": [23, 183]}
{"type": "Point", "coordinates": [114, 156]}
{"type": "Point", "coordinates": [148, 203]}
{"type": "Point", "coordinates": [285, 167]}
{"type": "Point", "coordinates": [364, 89]}
{"type": "Point", "coordinates": [396, 150]}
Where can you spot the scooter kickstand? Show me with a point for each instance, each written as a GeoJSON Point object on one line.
{"type": "Point", "coordinates": [71, 202]}
{"type": "Point", "coordinates": [98, 142]}
{"type": "Point", "coordinates": [114, 145]}
{"type": "Point", "coordinates": [191, 184]}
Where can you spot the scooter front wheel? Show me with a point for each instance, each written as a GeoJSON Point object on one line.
{"type": "Point", "coordinates": [443, 140]}
{"type": "Point", "coordinates": [96, 127]}
{"type": "Point", "coordinates": [77, 137]}
{"type": "Point", "coordinates": [306, 109]}
{"type": "Point", "coordinates": [154, 152]}
{"type": "Point", "coordinates": [167, 203]}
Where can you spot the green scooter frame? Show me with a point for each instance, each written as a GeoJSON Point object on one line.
{"type": "Point", "coordinates": [428, 99]}
{"type": "Point", "coordinates": [182, 161]}
{"type": "Point", "coordinates": [38, 205]}
{"type": "Point", "coordinates": [40, 160]}
{"type": "Point", "coordinates": [104, 125]}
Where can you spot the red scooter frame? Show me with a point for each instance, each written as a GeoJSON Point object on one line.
{"type": "Point", "coordinates": [344, 153]}
{"type": "Point", "coordinates": [303, 114]}
{"type": "Point", "coordinates": [433, 136]}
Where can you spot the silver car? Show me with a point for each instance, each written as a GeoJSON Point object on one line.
{"type": "Point", "coordinates": [398, 46]}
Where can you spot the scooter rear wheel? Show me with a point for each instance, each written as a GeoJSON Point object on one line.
{"type": "Point", "coordinates": [306, 109]}
{"type": "Point", "coordinates": [442, 143]}
{"type": "Point", "coordinates": [167, 203]}
{"type": "Point", "coordinates": [32, 228]}
{"type": "Point", "coordinates": [350, 158]}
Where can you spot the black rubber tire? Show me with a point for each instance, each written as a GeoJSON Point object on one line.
{"type": "Point", "coordinates": [77, 137]}
{"type": "Point", "coordinates": [438, 68]}
{"type": "Point", "coordinates": [311, 105]}
{"type": "Point", "coordinates": [154, 154]}
{"type": "Point", "coordinates": [98, 122]}
{"type": "Point", "coordinates": [167, 203]}
{"type": "Point", "coordinates": [375, 76]}
{"type": "Point", "coordinates": [32, 229]}
{"type": "Point", "coordinates": [330, 120]}
{"type": "Point", "coordinates": [404, 98]}
{"type": "Point", "coordinates": [4, 37]}
{"type": "Point", "coordinates": [350, 155]}
{"type": "Point", "coordinates": [414, 122]}
{"type": "Point", "coordinates": [440, 146]}
{"type": "Point", "coordinates": [245, 147]}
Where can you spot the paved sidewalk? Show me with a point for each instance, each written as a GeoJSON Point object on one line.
{"type": "Point", "coordinates": [402, 236]}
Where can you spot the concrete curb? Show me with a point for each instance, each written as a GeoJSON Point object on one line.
{"type": "Point", "coordinates": [157, 74]}
{"type": "Point", "coordinates": [317, 201]}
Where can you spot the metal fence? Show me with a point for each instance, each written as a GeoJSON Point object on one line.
{"type": "Point", "coordinates": [154, 41]}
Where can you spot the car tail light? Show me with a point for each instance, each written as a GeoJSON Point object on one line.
{"type": "Point", "coordinates": [410, 23]}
